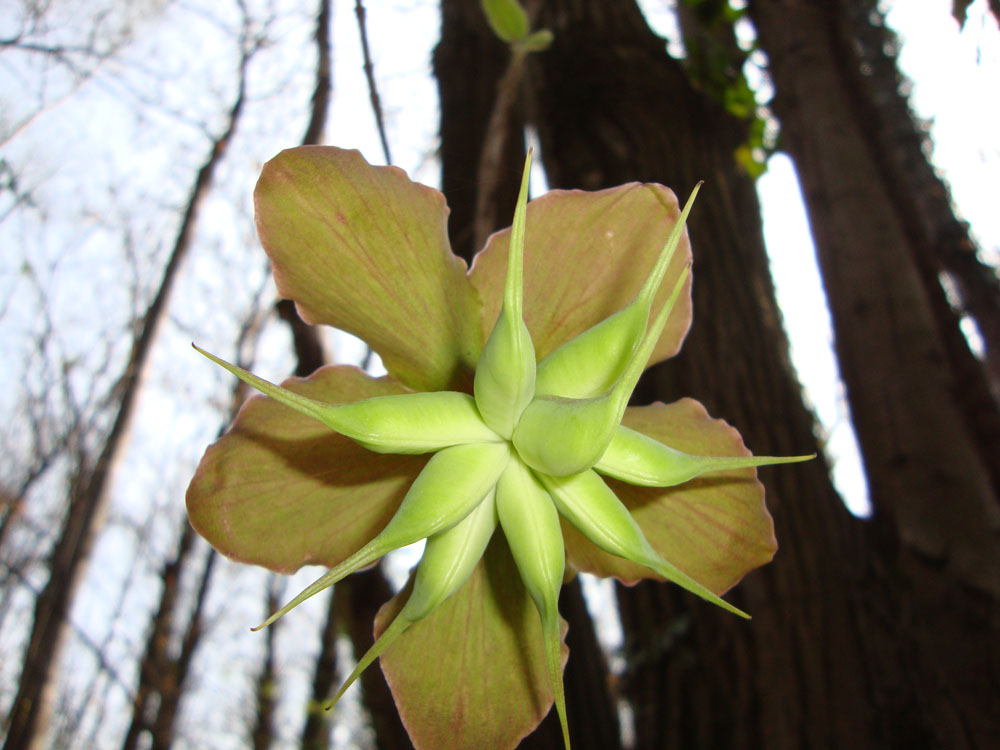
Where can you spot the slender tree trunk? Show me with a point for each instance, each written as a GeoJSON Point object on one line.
{"type": "Point", "coordinates": [152, 666]}
{"type": "Point", "coordinates": [316, 732]}
{"type": "Point", "coordinates": [267, 681]}
{"type": "Point", "coordinates": [358, 599]}
{"type": "Point", "coordinates": [172, 688]}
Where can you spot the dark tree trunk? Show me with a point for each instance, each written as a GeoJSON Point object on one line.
{"type": "Point", "coordinates": [316, 732]}
{"type": "Point", "coordinates": [358, 599]}
{"type": "Point", "coordinates": [940, 243]}
{"type": "Point", "coordinates": [153, 667]}
{"type": "Point", "coordinates": [837, 654]}
{"type": "Point", "coordinates": [931, 467]}
{"type": "Point", "coordinates": [469, 64]}
{"type": "Point", "coordinates": [262, 734]}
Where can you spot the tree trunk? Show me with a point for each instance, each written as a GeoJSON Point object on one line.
{"type": "Point", "coordinates": [469, 64]}
{"type": "Point", "coordinates": [358, 599]}
{"type": "Point", "coordinates": [262, 734]}
{"type": "Point", "coordinates": [316, 732]}
{"type": "Point", "coordinates": [941, 244]}
{"type": "Point", "coordinates": [838, 653]}
{"type": "Point", "coordinates": [932, 489]}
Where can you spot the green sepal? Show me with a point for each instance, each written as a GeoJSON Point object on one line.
{"type": "Point", "coordinates": [530, 523]}
{"type": "Point", "coordinates": [505, 374]}
{"type": "Point", "coordinates": [597, 513]}
{"type": "Point", "coordinates": [450, 557]}
{"type": "Point", "coordinates": [406, 423]}
{"type": "Point", "coordinates": [450, 486]}
{"type": "Point", "coordinates": [592, 362]}
{"type": "Point", "coordinates": [448, 560]}
{"type": "Point", "coordinates": [640, 460]}
{"type": "Point", "coordinates": [564, 436]}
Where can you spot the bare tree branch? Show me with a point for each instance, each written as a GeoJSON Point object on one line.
{"type": "Point", "coordinates": [359, 11]}
{"type": "Point", "coordinates": [88, 489]}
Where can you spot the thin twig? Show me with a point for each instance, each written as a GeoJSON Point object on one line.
{"type": "Point", "coordinates": [359, 11]}
{"type": "Point", "coordinates": [488, 173]}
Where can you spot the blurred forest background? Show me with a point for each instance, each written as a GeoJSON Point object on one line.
{"type": "Point", "coordinates": [131, 134]}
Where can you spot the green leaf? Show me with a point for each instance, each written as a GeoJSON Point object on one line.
{"type": "Point", "coordinates": [619, 231]}
{"type": "Point", "coordinates": [715, 527]}
{"type": "Point", "coordinates": [281, 490]}
{"type": "Point", "coordinates": [366, 250]}
{"type": "Point", "coordinates": [537, 41]}
{"type": "Point", "coordinates": [507, 19]}
{"type": "Point", "coordinates": [473, 674]}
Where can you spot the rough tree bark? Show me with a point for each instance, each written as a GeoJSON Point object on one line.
{"type": "Point", "coordinates": [838, 653]}
{"type": "Point", "coordinates": [935, 497]}
{"type": "Point", "coordinates": [941, 244]}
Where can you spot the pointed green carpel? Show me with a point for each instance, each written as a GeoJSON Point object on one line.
{"type": "Point", "coordinates": [592, 362]}
{"type": "Point", "coordinates": [640, 460]}
{"type": "Point", "coordinates": [449, 558]}
{"type": "Point", "coordinates": [505, 373]}
{"type": "Point", "coordinates": [564, 436]}
{"type": "Point", "coordinates": [449, 487]}
{"type": "Point", "coordinates": [597, 513]}
{"type": "Point", "coordinates": [404, 423]}
{"type": "Point", "coordinates": [530, 523]}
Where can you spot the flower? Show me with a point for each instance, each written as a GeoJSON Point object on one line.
{"type": "Point", "coordinates": [339, 478]}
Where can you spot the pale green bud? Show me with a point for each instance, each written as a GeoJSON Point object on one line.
{"type": "Point", "coordinates": [584, 426]}
{"type": "Point", "coordinates": [597, 513]}
{"type": "Point", "coordinates": [450, 486]}
{"type": "Point", "coordinates": [583, 387]}
{"type": "Point", "coordinates": [505, 373]}
{"type": "Point", "coordinates": [640, 460]}
{"type": "Point", "coordinates": [449, 558]}
{"type": "Point", "coordinates": [531, 524]}
{"type": "Point", "coordinates": [592, 362]}
{"type": "Point", "coordinates": [403, 423]}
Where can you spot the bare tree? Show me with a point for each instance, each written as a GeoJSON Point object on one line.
{"type": "Point", "coordinates": [88, 487]}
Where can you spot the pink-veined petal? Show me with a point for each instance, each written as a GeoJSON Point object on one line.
{"type": "Point", "coordinates": [473, 674]}
{"type": "Point", "coordinates": [366, 250]}
{"type": "Point", "coordinates": [281, 490]}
